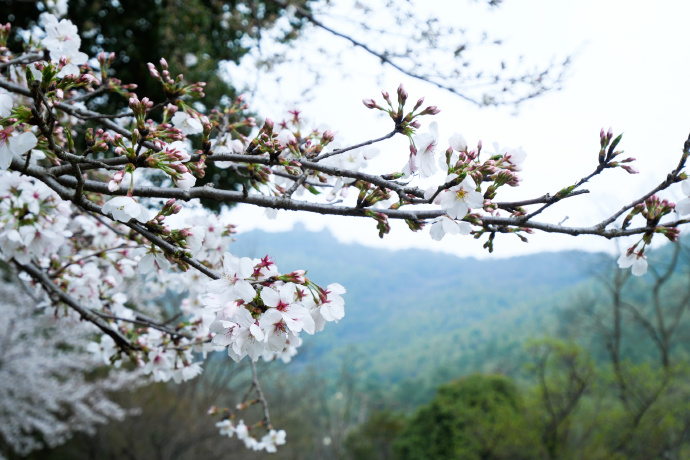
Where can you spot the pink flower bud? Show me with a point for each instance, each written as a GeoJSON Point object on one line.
{"type": "Point", "coordinates": [152, 70]}
{"type": "Point", "coordinates": [402, 94]}
{"type": "Point", "coordinates": [369, 103]}
{"type": "Point", "coordinates": [431, 110]}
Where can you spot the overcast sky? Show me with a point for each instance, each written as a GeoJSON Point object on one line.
{"type": "Point", "coordinates": [630, 72]}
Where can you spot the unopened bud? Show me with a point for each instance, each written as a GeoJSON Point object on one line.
{"type": "Point", "coordinates": [431, 110]}
{"type": "Point", "coordinates": [402, 95]}
{"type": "Point", "coordinates": [369, 103]}
{"type": "Point", "coordinates": [386, 97]}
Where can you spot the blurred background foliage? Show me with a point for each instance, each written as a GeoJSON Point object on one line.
{"type": "Point", "coordinates": [194, 36]}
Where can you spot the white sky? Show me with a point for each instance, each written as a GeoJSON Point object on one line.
{"type": "Point", "coordinates": [630, 72]}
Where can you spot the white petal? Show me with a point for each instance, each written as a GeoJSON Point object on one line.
{"type": "Point", "coordinates": [683, 206]}
{"type": "Point", "coordinates": [458, 142]}
{"type": "Point", "coordinates": [433, 128]}
{"type": "Point", "coordinates": [270, 297]}
{"type": "Point", "coordinates": [437, 231]}
{"type": "Point", "coordinates": [245, 291]}
{"type": "Point", "coordinates": [625, 261]}
{"type": "Point", "coordinates": [639, 267]}
{"type": "Point", "coordinates": [464, 228]}
{"type": "Point", "coordinates": [450, 226]}
{"type": "Point", "coordinates": [22, 143]}
{"type": "Point", "coordinates": [5, 156]}
{"type": "Point", "coordinates": [685, 185]}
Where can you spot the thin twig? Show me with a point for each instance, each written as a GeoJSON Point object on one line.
{"type": "Point", "coordinates": [260, 394]}
{"type": "Point", "coordinates": [353, 147]}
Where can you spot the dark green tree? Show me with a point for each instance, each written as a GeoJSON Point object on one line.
{"type": "Point", "coordinates": [193, 36]}
{"type": "Point", "coordinates": [373, 440]}
{"type": "Point", "coordinates": [477, 417]}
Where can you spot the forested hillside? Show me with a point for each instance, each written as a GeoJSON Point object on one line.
{"type": "Point", "coordinates": [418, 317]}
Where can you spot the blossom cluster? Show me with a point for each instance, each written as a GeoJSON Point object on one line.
{"type": "Point", "coordinates": [268, 442]}
{"type": "Point", "coordinates": [260, 312]}
{"type": "Point", "coordinates": [62, 41]}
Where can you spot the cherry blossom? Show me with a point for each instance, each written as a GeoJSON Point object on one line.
{"type": "Point", "coordinates": [185, 181]}
{"type": "Point", "coordinates": [516, 157]}
{"type": "Point", "coordinates": [233, 146]}
{"type": "Point", "coordinates": [234, 280]}
{"type": "Point", "coordinates": [445, 225]}
{"type": "Point", "coordinates": [125, 208]}
{"type": "Point", "coordinates": [422, 159]}
{"type": "Point", "coordinates": [12, 144]}
{"type": "Point", "coordinates": [48, 385]}
{"type": "Point", "coordinates": [153, 261]}
{"type": "Point", "coordinates": [458, 200]}
{"type": "Point", "coordinates": [226, 428]}
{"type": "Point", "coordinates": [186, 123]}
{"type": "Point", "coordinates": [272, 439]}
{"type": "Point", "coordinates": [637, 261]}
{"type": "Point", "coordinates": [332, 307]}
{"type": "Point", "coordinates": [683, 206]}
{"type": "Point", "coordinates": [72, 58]}
{"type": "Point", "coordinates": [458, 142]}
{"type": "Point", "coordinates": [283, 307]}
{"type": "Point", "coordinates": [60, 34]}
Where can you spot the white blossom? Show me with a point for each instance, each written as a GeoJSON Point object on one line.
{"type": "Point", "coordinates": [187, 124]}
{"type": "Point", "coordinates": [14, 145]}
{"type": "Point", "coordinates": [125, 208]}
{"type": "Point", "coordinates": [637, 261]}
{"type": "Point", "coordinates": [445, 225]}
{"type": "Point", "coordinates": [457, 200]}
{"type": "Point", "coordinates": [424, 161]}
{"type": "Point", "coordinates": [683, 206]}
{"type": "Point", "coordinates": [48, 389]}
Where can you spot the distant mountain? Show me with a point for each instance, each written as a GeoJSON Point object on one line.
{"type": "Point", "coordinates": [412, 312]}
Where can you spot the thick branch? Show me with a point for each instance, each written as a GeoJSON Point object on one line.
{"type": "Point", "coordinates": [66, 182]}
{"type": "Point", "coordinates": [56, 293]}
